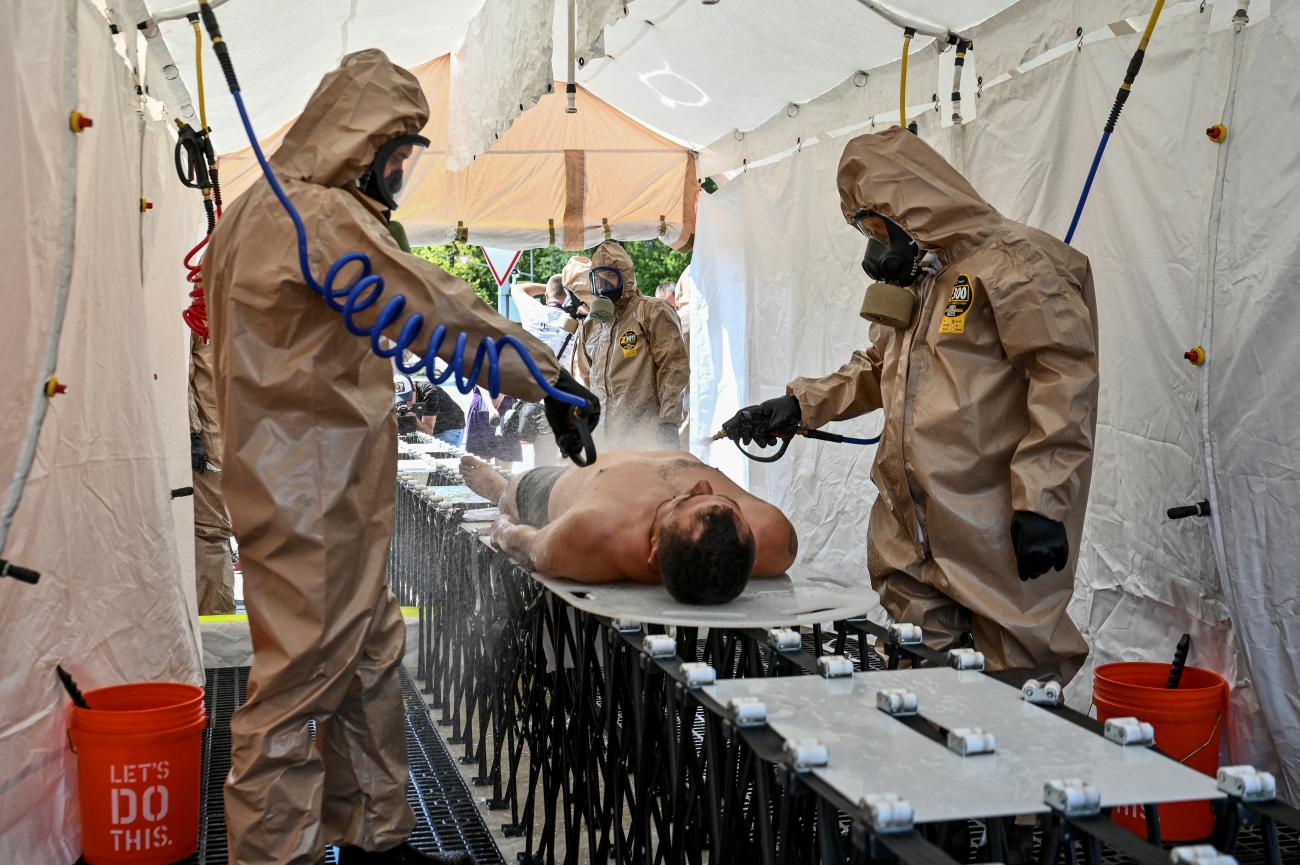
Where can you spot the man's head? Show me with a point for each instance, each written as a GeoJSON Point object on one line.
{"type": "Point", "coordinates": [555, 294]}
{"type": "Point", "coordinates": [702, 547]}
{"type": "Point", "coordinates": [667, 291]}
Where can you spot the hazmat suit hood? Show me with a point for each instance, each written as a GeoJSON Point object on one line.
{"type": "Point", "coordinates": [899, 176]}
{"type": "Point", "coordinates": [612, 254]}
{"type": "Point", "coordinates": [577, 277]}
{"type": "Point", "coordinates": [356, 109]}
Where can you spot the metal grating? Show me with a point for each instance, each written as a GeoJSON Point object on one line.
{"type": "Point", "coordinates": [1250, 847]}
{"type": "Point", "coordinates": [447, 819]}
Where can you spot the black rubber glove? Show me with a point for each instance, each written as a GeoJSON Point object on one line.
{"type": "Point", "coordinates": [762, 423]}
{"type": "Point", "coordinates": [198, 454]}
{"type": "Point", "coordinates": [1040, 544]}
{"type": "Point", "coordinates": [561, 416]}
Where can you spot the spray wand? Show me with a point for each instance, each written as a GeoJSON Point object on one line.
{"type": "Point", "coordinates": [788, 436]}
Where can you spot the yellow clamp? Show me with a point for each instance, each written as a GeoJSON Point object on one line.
{"type": "Point", "coordinates": [1195, 356]}
{"type": "Point", "coordinates": [52, 387]}
{"type": "Point", "coordinates": [79, 122]}
{"type": "Point", "coordinates": [1218, 133]}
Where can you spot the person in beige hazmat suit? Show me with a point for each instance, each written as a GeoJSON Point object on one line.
{"type": "Point", "coordinates": [990, 400]}
{"type": "Point", "coordinates": [308, 476]}
{"type": "Point", "coordinates": [631, 353]}
{"type": "Point", "coordinates": [214, 576]}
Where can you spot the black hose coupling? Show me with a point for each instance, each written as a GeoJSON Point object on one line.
{"type": "Point", "coordinates": [219, 45]}
{"type": "Point", "coordinates": [1200, 509]}
{"type": "Point", "coordinates": [26, 575]}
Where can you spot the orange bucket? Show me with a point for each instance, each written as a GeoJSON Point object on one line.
{"type": "Point", "coordinates": [1189, 722]}
{"type": "Point", "coordinates": [138, 762]}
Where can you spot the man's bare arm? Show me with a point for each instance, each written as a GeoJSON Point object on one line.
{"type": "Point", "coordinates": [565, 548]}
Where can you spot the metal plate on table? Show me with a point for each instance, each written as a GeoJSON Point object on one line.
{"type": "Point", "coordinates": [480, 516]}
{"type": "Point", "coordinates": [801, 597]}
{"type": "Point", "coordinates": [871, 752]}
{"type": "Point", "coordinates": [415, 466]}
{"type": "Point", "coordinates": [462, 496]}
{"type": "Point", "coordinates": [434, 450]}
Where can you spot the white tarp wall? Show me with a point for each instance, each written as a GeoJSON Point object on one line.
{"type": "Point", "coordinates": [97, 521]}
{"type": "Point", "coordinates": [780, 284]}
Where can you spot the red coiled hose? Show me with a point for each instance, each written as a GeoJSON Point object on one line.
{"type": "Point", "coordinates": [196, 316]}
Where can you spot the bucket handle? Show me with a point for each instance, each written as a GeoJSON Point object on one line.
{"type": "Point", "coordinates": [1208, 740]}
{"type": "Point", "coordinates": [1198, 749]}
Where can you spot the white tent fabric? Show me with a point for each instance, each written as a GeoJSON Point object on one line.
{"type": "Point", "coordinates": [696, 72]}
{"type": "Point", "coordinates": [505, 64]}
{"type": "Point", "coordinates": [1190, 242]}
{"type": "Point", "coordinates": [689, 71]}
{"type": "Point", "coordinates": [96, 519]}
{"type": "Point", "coordinates": [171, 229]}
{"type": "Point", "coordinates": [281, 50]}
{"type": "Point", "coordinates": [775, 302]}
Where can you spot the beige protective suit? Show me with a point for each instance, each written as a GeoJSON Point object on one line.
{"type": "Point", "coordinates": [636, 364]}
{"type": "Point", "coordinates": [990, 408]}
{"type": "Point", "coordinates": [213, 574]}
{"type": "Point", "coordinates": [309, 478]}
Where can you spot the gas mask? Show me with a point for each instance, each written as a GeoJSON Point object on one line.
{"type": "Point", "coordinates": [606, 288]}
{"type": "Point", "coordinates": [387, 178]}
{"type": "Point", "coordinates": [895, 263]}
{"type": "Point", "coordinates": [572, 307]}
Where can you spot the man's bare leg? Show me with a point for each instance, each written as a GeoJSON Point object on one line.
{"type": "Point", "coordinates": [482, 478]}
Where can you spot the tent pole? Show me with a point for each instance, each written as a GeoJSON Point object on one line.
{"type": "Point", "coordinates": [571, 88]}
{"type": "Point", "coordinates": [920, 25]}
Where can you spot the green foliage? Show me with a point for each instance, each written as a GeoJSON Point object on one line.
{"type": "Point", "coordinates": [466, 261]}
{"type": "Point", "coordinates": [654, 262]}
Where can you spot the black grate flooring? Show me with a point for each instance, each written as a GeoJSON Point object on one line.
{"type": "Point", "coordinates": [447, 820]}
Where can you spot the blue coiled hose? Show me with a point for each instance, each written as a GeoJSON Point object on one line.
{"type": "Point", "coordinates": [367, 289]}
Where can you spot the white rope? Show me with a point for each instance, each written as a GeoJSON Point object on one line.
{"type": "Point", "coordinates": [63, 281]}
{"type": "Point", "coordinates": [1207, 327]}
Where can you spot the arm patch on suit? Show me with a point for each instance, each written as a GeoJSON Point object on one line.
{"type": "Point", "coordinates": [959, 303]}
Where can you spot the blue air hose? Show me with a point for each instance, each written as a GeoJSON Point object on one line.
{"type": "Point", "coordinates": [1130, 75]}
{"type": "Point", "coordinates": [367, 289]}
{"type": "Point", "coordinates": [1087, 185]}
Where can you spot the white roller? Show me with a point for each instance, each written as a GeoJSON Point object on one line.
{"type": "Point", "coordinates": [1247, 784]}
{"type": "Point", "coordinates": [1130, 731]}
{"type": "Point", "coordinates": [1072, 797]}
{"type": "Point", "coordinates": [805, 755]}
{"type": "Point", "coordinates": [887, 813]}
{"type": "Point", "coordinates": [698, 674]}
{"type": "Point", "coordinates": [834, 667]}
{"type": "Point", "coordinates": [897, 702]}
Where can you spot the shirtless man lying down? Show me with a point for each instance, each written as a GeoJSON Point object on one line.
{"type": "Point", "coordinates": [640, 516]}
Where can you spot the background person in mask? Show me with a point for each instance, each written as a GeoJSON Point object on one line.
{"type": "Point", "coordinates": [631, 353]}
{"type": "Point", "coordinates": [213, 572]}
{"type": "Point", "coordinates": [989, 386]}
{"type": "Point", "coordinates": [310, 456]}
{"type": "Point", "coordinates": [551, 313]}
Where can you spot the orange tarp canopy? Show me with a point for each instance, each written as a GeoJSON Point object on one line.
{"type": "Point", "coordinates": [553, 179]}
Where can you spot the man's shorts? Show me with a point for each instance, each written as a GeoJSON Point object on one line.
{"type": "Point", "coordinates": [533, 494]}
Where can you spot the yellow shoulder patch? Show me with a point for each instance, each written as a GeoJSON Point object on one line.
{"type": "Point", "coordinates": [959, 303]}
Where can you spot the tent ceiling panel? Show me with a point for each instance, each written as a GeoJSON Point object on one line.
{"type": "Point", "coordinates": [691, 71]}
{"type": "Point", "coordinates": [281, 49]}
{"type": "Point", "coordinates": [695, 72]}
